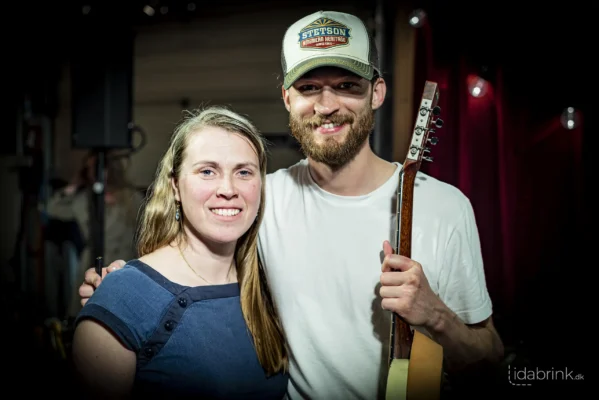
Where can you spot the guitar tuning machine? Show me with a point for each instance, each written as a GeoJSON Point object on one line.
{"type": "Point", "coordinates": [425, 150]}
{"type": "Point", "coordinates": [426, 157]}
{"type": "Point", "coordinates": [433, 140]}
{"type": "Point", "coordinates": [435, 110]}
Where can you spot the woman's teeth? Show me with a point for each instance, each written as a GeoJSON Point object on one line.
{"type": "Point", "coordinates": [226, 212]}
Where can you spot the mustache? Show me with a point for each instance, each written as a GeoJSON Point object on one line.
{"type": "Point", "coordinates": [335, 119]}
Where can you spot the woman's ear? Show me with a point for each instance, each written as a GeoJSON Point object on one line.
{"type": "Point", "coordinates": [175, 188]}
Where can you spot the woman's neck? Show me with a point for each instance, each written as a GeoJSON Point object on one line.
{"type": "Point", "coordinates": [213, 262]}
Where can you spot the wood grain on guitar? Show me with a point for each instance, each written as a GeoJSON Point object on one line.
{"type": "Point", "coordinates": [415, 365]}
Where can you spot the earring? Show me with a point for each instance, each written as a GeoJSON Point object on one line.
{"type": "Point", "coordinates": [178, 213]}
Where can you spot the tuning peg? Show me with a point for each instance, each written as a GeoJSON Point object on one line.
{"type": "Point", "coordinates": [427, 158]}
{"type": "Point", "coordinates": [438, 122]}
{"type": "Point", "coordinates": [426, 150]}
{"type": "Point", "coordinates": [435, 110]}
{"type": "Point", "coordinates": [433, 140]}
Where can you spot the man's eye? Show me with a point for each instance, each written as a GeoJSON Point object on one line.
{"type": "Point", "coordinates": [307, 88]}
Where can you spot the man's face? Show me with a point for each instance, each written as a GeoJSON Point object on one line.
{"type": "Point", "coordinates": [331, 113]}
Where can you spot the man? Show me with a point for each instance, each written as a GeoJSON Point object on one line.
{"type": "Point", "coordinates": [325, 235]}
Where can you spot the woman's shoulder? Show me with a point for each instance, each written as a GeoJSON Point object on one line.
{"type": "Point", "coordinates": [129, 303]}
{"type": "Point", "coordinates": [132, 291]}
{"type": "Point", "coordinates": [130, 272]}
{"type": "Point", "coordinates": [163, 263]}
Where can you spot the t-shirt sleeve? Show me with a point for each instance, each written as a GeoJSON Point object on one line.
{"type": "Point", "coordinates": [462, 283]}
{"type": "Point", "coordinates": [129, 304]}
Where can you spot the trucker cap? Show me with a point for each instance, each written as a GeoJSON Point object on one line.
{"type": "Point", "coordinates": [328, 38]}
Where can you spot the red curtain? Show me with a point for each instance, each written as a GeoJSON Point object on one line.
{"type": "Point", "coordinates": [522, 171]}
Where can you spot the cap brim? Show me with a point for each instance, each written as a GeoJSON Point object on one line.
{"type": "Point", "coordinates": [366, 71]}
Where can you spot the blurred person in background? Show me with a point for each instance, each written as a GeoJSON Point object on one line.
{"type": "Point", "coordinates": [122, 202]}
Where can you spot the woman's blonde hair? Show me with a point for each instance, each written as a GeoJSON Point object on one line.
{"type": "Point", "coordinates": [158, 228]}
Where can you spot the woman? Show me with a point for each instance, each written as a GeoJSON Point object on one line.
{"type": "Point", "coordinates": [192, 317]}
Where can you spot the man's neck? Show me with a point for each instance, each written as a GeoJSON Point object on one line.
{"type": "Point", "coordinates": [362, 175]}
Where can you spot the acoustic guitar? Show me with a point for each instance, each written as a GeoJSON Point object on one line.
{"type": "Point", "coordinates": [415, 360]}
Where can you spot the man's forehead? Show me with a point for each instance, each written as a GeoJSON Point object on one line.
{"type": "Point", "coordinates": [330, 72]}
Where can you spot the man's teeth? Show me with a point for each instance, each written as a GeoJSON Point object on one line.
{"type": "Point", "coordinates": [226, 212]}
{"type": "Point", "coordinates": [329, 125]}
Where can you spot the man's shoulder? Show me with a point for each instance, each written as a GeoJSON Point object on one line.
{"type": "Point", "coordinates": [289, 174]}
{"type": "Point", "coordinates": [436, 194]}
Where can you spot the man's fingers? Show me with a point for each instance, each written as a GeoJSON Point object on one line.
{"type": "Point", "coordinates": [387, 249]}
{"type": "Point", "coordinates": [389, 292]}
{"type": "Point", "coordinates": [85, 292]}
{"type": "Point", "coordinates": [113, 266]}
{"type": "Point", "coordinates": [396, 262]}
{"type": "Point", "coordinates": [393, 278]}
{"type": "Point", "coordinates": [116, 265]}
{"type": "Point", "coordinates": [92, 278]}
{"type": "Point", "coordinates": [393, 304]}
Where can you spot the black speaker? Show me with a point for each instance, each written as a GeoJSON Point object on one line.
{"type": "Point", "coordinates": [101, 90]}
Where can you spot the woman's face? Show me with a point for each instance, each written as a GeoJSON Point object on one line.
{"type": "Point", "coordinates": [219, 185]}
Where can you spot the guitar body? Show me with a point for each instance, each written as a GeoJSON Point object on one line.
{"type": "Point", "coordinates": [426, 368]}
{"type": "Point", "coordinates": [416, 361]}
{"type": "Point", "coordinates": [420, 376]}
{"type": "Point", "coordinates": [397, 379]}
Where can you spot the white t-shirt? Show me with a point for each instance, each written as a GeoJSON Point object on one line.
{"type": "Point", "coordinates": [323, 253]}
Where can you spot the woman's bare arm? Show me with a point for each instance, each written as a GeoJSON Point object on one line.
{"type": "Point", "coordinates": [105, 367]}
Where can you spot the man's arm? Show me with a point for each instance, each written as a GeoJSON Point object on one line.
{"type": "Point", "coordinates": [466, 347]}
{"type": "Point", "coordinates": [405, 290]}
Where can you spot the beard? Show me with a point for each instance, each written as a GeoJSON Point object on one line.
{"type": "Point", "coordinates": [330, 151]}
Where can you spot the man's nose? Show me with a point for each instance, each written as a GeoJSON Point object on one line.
{"type": "Point", "coordinates": [327, 103]}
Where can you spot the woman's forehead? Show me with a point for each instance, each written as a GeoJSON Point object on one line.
{"type": "Point", "coordinates": [221, 145]}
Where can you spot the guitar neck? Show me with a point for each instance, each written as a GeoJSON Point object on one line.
{"type": "Point", "coordinates": [401, 333]}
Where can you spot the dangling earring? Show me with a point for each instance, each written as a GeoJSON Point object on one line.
{"type": "Point", "coordinates": [178, 213]}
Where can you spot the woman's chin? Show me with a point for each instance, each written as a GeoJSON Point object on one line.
{"type": "Point", "coordinates": [224, 236]}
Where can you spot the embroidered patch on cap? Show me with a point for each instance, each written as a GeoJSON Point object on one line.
{"type": "Point", "coordinates": [324, 33]}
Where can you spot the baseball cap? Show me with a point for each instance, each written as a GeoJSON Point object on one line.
{"type": "Point", "coordinates": [328, 38]}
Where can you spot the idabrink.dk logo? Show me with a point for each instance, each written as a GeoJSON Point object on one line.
{"type": "Point", "coordinates": [527, 376]}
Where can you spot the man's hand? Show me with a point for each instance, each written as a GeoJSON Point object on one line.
{"type": "Point", "coordinates": [93, 280]}
{"type": "Point", "coordinates": [406, 291]}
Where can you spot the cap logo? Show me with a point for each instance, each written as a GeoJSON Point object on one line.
{"type": "Point", "coordinates": [324, 33]}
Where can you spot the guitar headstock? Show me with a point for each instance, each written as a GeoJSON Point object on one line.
{"type": "Point", "coordinates": [427, 116]}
